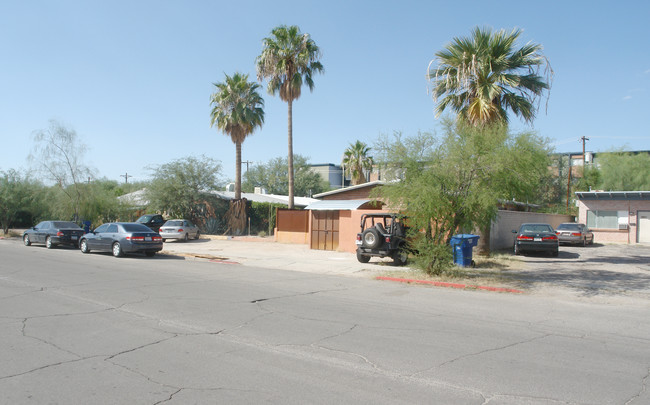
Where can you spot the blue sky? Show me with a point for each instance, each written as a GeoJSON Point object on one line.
{"type": "Point", "coordinates": [134, 78]}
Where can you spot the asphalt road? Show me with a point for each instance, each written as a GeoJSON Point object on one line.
{"type": "Point", "coordinates": [95, 329]}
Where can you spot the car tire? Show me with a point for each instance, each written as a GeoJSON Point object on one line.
{"type": "Point", "coordinates": [150, 254]}
{"type": "Point", "coordinates": [186, 238]}
{"type": "Point", "coordinates": [400, 257]}
{"type": "Point", "coordinates": [48, 243]}
{"type": "Point", "coordinates": [516, 250]}
{"type": "Point", "coordinates": [555, 253]}
{"type": "Point", "coordinates": [83, 246]}
{"type": "Point", "coordinates": [198, 235]}
{"type": "Point", "coordinates": [371, 238]}
{"type": "Point", "coordinates": [164, 240]}
{"type": "Point", "coordinates": [362, 258]}
{"type": "Point", "coordinates": [26, 240]}
{"type": "Point", "coordinates": [584, 242]}
{"type": "Point", "coordinates": [117, 250]}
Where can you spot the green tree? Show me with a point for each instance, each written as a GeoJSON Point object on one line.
{"type": "Point", "coordinates": [272, 177]}
{"type": "Point", "coordinates": [483, 76]}
{"type": "Point", "coordinates": [178, 187]}
{"type": "Point", "coordinates": [454, 183]}
{"type": "Point", "coordinates": [237, 111]}
{"type": "Point", "coordinates": [17, 193]}
{"type": "Point", "coordinates": [623, 171]}
{"type": "Point", "coordinates": [58, 154]}
{"type": "Point", "coordinates": [289, 58]}
{"type": "Point", "coordinates": [357, 162]}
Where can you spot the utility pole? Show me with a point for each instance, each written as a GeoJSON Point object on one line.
{"type": "Point", "coordinates": [247, 162]}
{"type": "Point", "coordinates": [584, 157]}
{"type": "Point", "coordinates": [126, 177]}
{"type": "Point", "coordinates": [568, 186]}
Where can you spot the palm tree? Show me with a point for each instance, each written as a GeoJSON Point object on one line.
{"type": "Point", "coordinates": [483, 76]}
{"type": "Point", "coordinates": [356, 160]}
{"type": "Point", "coordinates": [288, 59]}
{"type": "Point", "coordinates": [237, 111]}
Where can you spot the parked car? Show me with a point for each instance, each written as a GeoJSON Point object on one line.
{"type": "Point", "coordinates": [382, 235]}
{"type": "Point", "coordinates": [53, 233]}
{"type": "Point", "coordinates": [536, 238]}
{"type": "Point", "coordinates": [121, 238]}
{"type": "Point", "coordinates": [153, 221]}
{"type": "Point", "coordinates": [574, 233]}
{"type": "Point", "coordinates": [179, 229]}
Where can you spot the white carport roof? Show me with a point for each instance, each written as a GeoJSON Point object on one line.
{"type": "Point", "coordinates": [336, 205]}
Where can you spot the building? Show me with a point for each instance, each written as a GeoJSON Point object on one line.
{"type": "Point", "coordinates": [616, 216]}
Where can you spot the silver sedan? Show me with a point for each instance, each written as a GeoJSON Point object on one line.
{"type": "Point", "coordinates": [179, 229]}
{"type": "Point", "coordinates": [574, 233]}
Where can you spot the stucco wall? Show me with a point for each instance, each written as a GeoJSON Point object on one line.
{"type": "Point", "coordinates": [349, 226]}
{"type": "Point", "coordinates": [501, 236]}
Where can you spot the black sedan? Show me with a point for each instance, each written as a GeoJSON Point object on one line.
{"type": "Point", "coordinates": [121, 238]}
{"type": "Point", "coordinates": [53, 233]}
{"type": "Point", "coordinates": [536, 238]}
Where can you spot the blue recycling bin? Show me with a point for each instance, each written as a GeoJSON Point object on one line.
{"type": "Point", "coordinates": [462, 245]}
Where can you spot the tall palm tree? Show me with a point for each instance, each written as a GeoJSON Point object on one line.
{"type": "Point", "coordinates": [237, 111]}
{"type": "Point", "coordinates": [288, 59]}
{"type": "Point", "coordinates": [483, 76]}
{"type": "Point", "coordinates": [356, 160]}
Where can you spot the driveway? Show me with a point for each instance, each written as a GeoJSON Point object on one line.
{"type": "Point", "coordinates": [608, 273]}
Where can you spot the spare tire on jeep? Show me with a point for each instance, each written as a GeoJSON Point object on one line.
{"type": "Point", "coordinates": [371, 238]}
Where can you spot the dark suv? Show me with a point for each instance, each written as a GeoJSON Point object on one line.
{"type": "Point", "coordinates": [382, 235]}
{"type": "Point", "coordinates": [153, 221]}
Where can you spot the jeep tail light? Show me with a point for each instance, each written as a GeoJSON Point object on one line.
{"type": "Point", "coordinates": [358, 236]}
{"type": "Point", "coordinates": [387, 239]}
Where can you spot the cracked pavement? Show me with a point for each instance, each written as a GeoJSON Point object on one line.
{"type": "Point", "coordinates": [95, 329]}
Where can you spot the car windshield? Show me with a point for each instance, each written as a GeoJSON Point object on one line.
{"type": "Point", "coordinates": [144, 218]}
{"type": "Point", "coordinates": [536, 228]}
{"type": "Point", "coordinates": [65, 225]}
{"type": "Point", "coordinates": [568, 227]}
{"type": "Point", "coordinates": [173, 223]}
{"type": "Point", "coordinates": [135, 228]}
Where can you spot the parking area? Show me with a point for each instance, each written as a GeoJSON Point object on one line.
{"type": "Point", "coordinates": [604, 272]}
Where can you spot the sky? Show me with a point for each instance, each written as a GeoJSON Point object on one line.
{"type": "Point", "coordinates": [134, 78]}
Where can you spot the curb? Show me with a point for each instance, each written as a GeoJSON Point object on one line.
{"type": "Point", "coordinates": [451, 285]}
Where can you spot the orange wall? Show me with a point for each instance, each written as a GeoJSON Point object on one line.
{"type": "Point", "coordinates": [349, 226]}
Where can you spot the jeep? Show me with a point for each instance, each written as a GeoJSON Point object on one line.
{"type": "Point", "coordinates": [382, 235]}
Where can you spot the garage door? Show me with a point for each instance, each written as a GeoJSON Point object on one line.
{"type": "Point", "coordinates": [325, 230]}
{"type": "Point", "coordinates": [643, 226]}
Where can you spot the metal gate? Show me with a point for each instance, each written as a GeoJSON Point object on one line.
{"type": "Point", "coordinates": [325, 230]}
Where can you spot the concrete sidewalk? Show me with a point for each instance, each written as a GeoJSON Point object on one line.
{"type": "Point", "coordinates": [264, 252]}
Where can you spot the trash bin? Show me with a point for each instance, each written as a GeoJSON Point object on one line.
{"type": "Point", "coordinates": [462, 245]}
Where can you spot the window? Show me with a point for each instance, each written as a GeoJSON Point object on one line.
{"type": "Point", "coordinates": [605, 219]}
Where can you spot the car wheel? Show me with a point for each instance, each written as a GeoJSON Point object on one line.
{"type": "Point", "coordinates": [83, 246]}
{"type": "Point", "coordinates": [26, 240]}
{"type": "Point", "coordinates": [517, 252]}
{"type": "Point", "coordinates": [400, 258]}
{"type": "Point", "coordinates": [164, 240]}
{"type": "Point", "coordinates": [362, 258]}
{"type": "Point", "coordinates": [198, 235]}
{"type": "Point", "coordinates": [555, 253]}
{"type": "Point", "coordinates": [150, 254]}
{"type": "Point", "coordinates": [48, 243]}
{"type": "Point", "coordinates": [371, 238]}
{"type": "Point", "coordinates": [117, 250]}
{"type": "Point", "coordinates": [186, 238]}
{"type": "Point", "coordinates": [584, 242]}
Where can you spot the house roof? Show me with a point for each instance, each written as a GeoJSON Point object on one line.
{"type": "Point", "coordinates": [613, 195]}
{"type": "Point", "coordinates": [349, 205]}
{"type": "Point", "coordinates": [346, 189]}
{"type": "Point", "coordinates": [266, 198]}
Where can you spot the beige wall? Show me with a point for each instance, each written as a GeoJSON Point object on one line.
{"type": "Point", "coordinates": [501, 236]}
{"type": "Point", "coordinates": [349, 226]}
{"type": "Point", "coordinates": [614, 235]}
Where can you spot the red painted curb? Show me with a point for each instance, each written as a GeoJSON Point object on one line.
{"type": "Point", "coordinates": [223, 261]}
{"type": "Point", "coordinates": [451, 285]}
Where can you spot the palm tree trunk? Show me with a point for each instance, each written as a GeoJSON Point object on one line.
{"type": "Point", "coordinates": [238, 171]}
{"type": "Point", "coordinates": [290, 155]}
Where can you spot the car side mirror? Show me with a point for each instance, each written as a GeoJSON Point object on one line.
{"type": "Point", "coordinates": [514, 231]}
